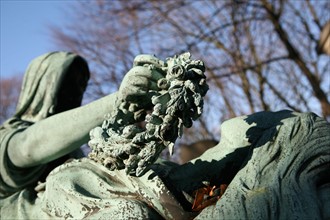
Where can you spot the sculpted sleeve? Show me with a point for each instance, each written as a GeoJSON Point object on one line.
{"type": "Point", "coordinates": [12, 178]}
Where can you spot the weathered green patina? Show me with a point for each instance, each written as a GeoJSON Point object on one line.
{"type": "Point", "coordinates": [40, 98]}
{"type": "Point", "coordinates": [276, 164]}
{"type": "Point", "coordinates": [119, 143]}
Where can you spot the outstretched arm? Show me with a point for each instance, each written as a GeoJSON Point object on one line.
{"type": "Point", "coordinates": [62, 133]}
{"type": "Point", "coordinates": [58, 135]}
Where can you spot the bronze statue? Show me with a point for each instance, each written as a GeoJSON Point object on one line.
{"type": "Point", "coordinates": [272, 164]}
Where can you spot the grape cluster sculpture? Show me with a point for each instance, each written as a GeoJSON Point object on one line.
{"type": "Point", "coordinates": [121, 144]}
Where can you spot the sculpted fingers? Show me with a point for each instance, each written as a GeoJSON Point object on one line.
{"type": "Point", "coordinates": [139, 91]}
{"type": "Point", "coordinates": [151, 62]}
{"type": "Point", "coordinates": [150, 73]}
{"type": "Point", "coordinates": [140, 83]}
{"type": "Point", "coordinates": [144, 59]}
{"type": "Point", "coordinates": [141, 79]}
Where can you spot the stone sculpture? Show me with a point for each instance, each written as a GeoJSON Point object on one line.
{"type": "Point", "coordinates": [275, 164]}
{"type": "Point", "coordinates": [120, 144]}
{"type": "Point", "coordinates": [53, 83]}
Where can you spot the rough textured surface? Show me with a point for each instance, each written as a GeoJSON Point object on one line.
{"type": "Point", "coordinates": [38, 98]}
{"type": "Point", "coordinates": [120, 143]}
{"type": "Point", "coordinates": [277, 164]}
{"type": "Point", "coordinates": [84, 189]}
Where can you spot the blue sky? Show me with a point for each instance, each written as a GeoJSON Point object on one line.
{"type": "Point", "coordinates": [24, 33]}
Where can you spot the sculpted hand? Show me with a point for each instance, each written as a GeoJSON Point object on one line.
{"type": "Point", "coordinates": [140, 83]}
{"type": "Point", "coordinates": [174, 89]}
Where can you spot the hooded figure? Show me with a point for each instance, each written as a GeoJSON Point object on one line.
{"type": "Point", "coordinates": [50, 86]}
{"type": "Point", "coordinates": [276, 166]}
{"type": "Point", "coordinates": [80, 188]}
{"type": "Point", "coordinates": [42, 83]}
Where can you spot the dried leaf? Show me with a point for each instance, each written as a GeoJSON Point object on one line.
{"type": "Point", "coordinates": [207, 196]}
